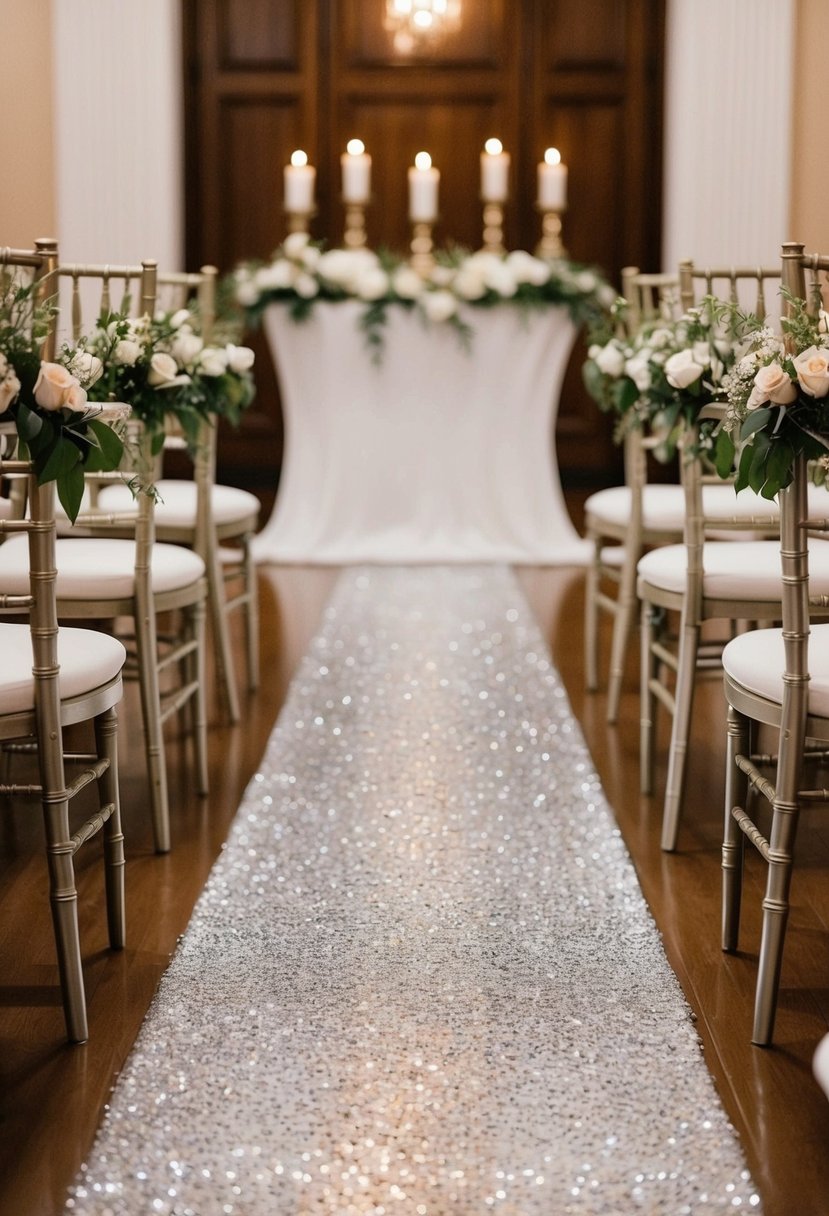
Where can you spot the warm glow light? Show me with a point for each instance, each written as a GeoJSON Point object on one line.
{"type": "Point", "coordinates": [355, 147]}
{"type": "Point", "coordinates": [423, 19]}
{"type": "Point", "coordinates": [403, 6]}
{"type": "Point", "coordinates": [299, 158]}
{"type": "Point", "coordinates": [494, 147]}
{"type": "Point", "coordinates": [423, 161]}
{"type": "Point", "coordinates": [413, 23]}
{"type": "Point", "coordinates": [552, 156]}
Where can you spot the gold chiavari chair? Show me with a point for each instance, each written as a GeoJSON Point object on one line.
{"type": "Point", "coordinates": [110, 568]}
{"type": "Point", "coordinates": [778, 678]}
{"type": "Point", "coordinates": [51, 679]}
{"type": "Point", "coordinates": [217, 521]}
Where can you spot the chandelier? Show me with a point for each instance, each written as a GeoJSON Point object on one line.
{"type": "Point", "coordinates": [415, 22]}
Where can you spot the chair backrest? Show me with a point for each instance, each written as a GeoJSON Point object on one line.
{"type": "Point", "coordinates": [748, 288]}
{"type": "Point", "coordinates": [649, 297]}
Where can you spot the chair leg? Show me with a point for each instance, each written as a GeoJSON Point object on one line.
{"type": "Point", "coordinates": [680, 734]}
{"type": "Point", "coordinates": [647, 701]}
{"type": "Point", "coordinates": [147, 647]}
{"type": "Point", "coordinates": [622, 629]}
{"type": "Point", "coordinates": [775, 917]}
{"type": "Point", "coordinates": [733, 848]}
{"type": "Point", "coordinates": [106, 738]}
{"type": "Point", "coordinates": [199, 676]}
{"type": "Point", "coordinates": [221, 633]}
{"type": "Point", "coordinates": [251, 582]}
{"type": "Point", "coordinates": [63, 897]}
{"type": "Point", "coordinates": [591, 616]}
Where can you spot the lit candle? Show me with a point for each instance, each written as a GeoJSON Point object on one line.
{"type": "Point", "coordinates": [494, 172]}
{"type": "Point", "coordinates": [299, 184]}
{"type": "Point", "coordinates": [552, 182]}
{"type": "Point", "coordinates": [356, 168]}
{"type": "Point", "coordinates": [423, 190]}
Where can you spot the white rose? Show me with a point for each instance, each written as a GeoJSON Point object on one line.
{"type": "Point", "coordinates": [373, 284]}
{"type": "Point", "coordinates": [247, 293]}
{"type": "Point", "coordinates": [407, 283]}
{"type": "Point", "coordinates": [469, 283]}
{"type": "Point", "coordinates": [439, 305]}
{"type": "Point", "coordinates": [586, 281]}
{"type": "Point", "coordinates": [213, 361]}
{"type": "Point", "coordinates": [638, 368]}
{"type": "Point", "coordinates": [310, 257]}
{"type": "Point", "coordinates": [86, 367]}
{"type": "Point", "coordinates": [529, 269]}
{"type": "Point", "coordinates": [702, 353]}
{"type": "Point", "coordinates": [500, 278]}
{"type": "Point", "coordinates": [164, 372]}
{"type": "Point", "coordinates": [610, 360]}
{"type": "Point", "coordinates": [682, 370]}
{"type": "Point", "coordinates": [306, 285]}
{"type": "Point", "coordinates": [277, 277]}
{"type": "Point", "coordinates": [53, 385]}
{"type": "Point", "coordinates": [295, 243]}
{"type": "Point", "coordinates": [239, 358]}
{"type": "Point", "coordinates": [126, 353]}
{"type": "Point", "coordinates": [182, 317]}
{"type": "Point", "coordinates": [186, 346]}
{"type": "Point", "coordinates": [9, 387]}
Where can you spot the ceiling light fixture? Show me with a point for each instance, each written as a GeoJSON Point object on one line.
{"type": "Point", "coordinates": [416, 22]}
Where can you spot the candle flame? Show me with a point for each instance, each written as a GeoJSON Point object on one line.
{"type": "Point", "coordinates": [494, 147]}
{"type": "Point", "coordinates": [552, 156]}
{"type": "Point", "coordinates": [423, 19]}
{"type": "Point", "coordinates": [299, 158]}
{"type": "Point", "coordinates": [423, 161]}
{"type": "Point", "coordinates": [355, 147]}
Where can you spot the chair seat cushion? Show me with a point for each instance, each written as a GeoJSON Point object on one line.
{"type": "Point", "coordinates": [99, 568]}
{"type": "Point", "coordinates": [756, 660]}
{"type": "Point", "coordinates": [746, 570]}
{"type": "Point", "coordinates": [88, 659]}
{"type": "Point", "coordinates": [663, 507]}
{"type": "Point", "coordinates": [176, 504]}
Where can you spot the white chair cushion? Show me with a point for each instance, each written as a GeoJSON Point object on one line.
{"type": "Point", "coordinates": [733, 569]}
{"type": "Point", "coordinates": [663, 506]}
{"type": "Point", "coordinates": [756, 660]}
{"type": "Point", "coordinates": [88, 659]}
{"type": "Point", "coordinates": [176, 505]}
{"type": "Point", "coordinates": [99, 568]}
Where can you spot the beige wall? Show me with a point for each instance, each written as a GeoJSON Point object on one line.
{"type": "Point", "coordinates": [27, 195]}
{"type": "Point", "coordinates": [810, 166]}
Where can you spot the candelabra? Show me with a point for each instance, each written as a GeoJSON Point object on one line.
{"type": "Point", "coordinates": [550, 245]}
{"type": "Point", "coordinates": [422, 258]}
{"type": "Point", "coordinates": [493, 227]}
{"type": "Point", "coordinates": [354, 236]}
{"type": "Point", "coordinates": [299, 221]}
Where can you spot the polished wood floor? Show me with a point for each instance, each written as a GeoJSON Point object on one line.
{"type": "Point", "coordinates": [52, 1095]}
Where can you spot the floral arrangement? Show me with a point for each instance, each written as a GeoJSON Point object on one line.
{"type": "Point", "coordinates": [162, 368]}
{"type": "Point", "coordinates": [302, 272]}
{"type": "Point", "coordinates": [63, 434]}
{"type": "Point", "coordinates": [661, 376]}
{"type": "Point", "coordinates": [778, 403]}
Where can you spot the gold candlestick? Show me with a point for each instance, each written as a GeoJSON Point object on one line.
{"type": "Point", "coordinates": [354, 236]}
{"type": "Point", "coordinates": [299, 221]}
{"type": "Point", "coordinates": [422, 258]}
{"type": "Point", "coordinates": [550, 246]}
{"type": "Point", "coordinates": [493, 227]}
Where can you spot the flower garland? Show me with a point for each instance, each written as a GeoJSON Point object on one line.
{"type": "Point", "coordinates": [48, 401]}
{"type": "Point", "coordinates": [778, 403]}
{"type": "Point", "coordinates": [302, 272]}
{"type": "Point", "coordinates": [660, 377]}
{"type": "Point", "coordinates": [162, 368]}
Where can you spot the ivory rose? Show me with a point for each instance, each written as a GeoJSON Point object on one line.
{"type": "Point", "coordinates": [164, 372]}
{"type": "Point", "coordinates": [126, 352]}
{"type": "Point", "coordinates": [186, 346]}
{"type": "Point", "coordinates": [812, 367]}
{"type": "Point", "coordinates": [771, 384]}
{"type": "Point", "coordinates": [439, 305]}
{"type": "Point", "coordinates": [54, 388]}
{"type": "Point", "coordinates": [239, 358]}
{"type": "Point", "coordinates": [610, 360]}
{"type": "Point", "coordinates": [213, 361]}
{"type": "Point", "coordinates": [682, 369]}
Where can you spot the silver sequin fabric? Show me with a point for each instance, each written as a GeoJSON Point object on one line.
{"type": "Point", "coordinates": [422, 978]}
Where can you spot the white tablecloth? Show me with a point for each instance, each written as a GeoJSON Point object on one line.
{"type": "Point", "coordinates": [437, 454]}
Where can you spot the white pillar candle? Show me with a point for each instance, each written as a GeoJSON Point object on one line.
{"type": "Point", "coordinates": [299, 184]}
{"type": "Point", "coordinates": [552, 182]}
{"type": "Point", "coordinates": [494, 172]}
{"type": "Point", "coordinates": [423, 190]}
{"type": "Point", "coordinates": [356, 169]}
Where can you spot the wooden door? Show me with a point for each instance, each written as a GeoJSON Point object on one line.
{"type": "Point", "coordinates": [264, 77]}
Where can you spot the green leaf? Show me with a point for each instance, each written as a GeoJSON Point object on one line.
{"type": "Point", "coordinates": [70, 490]}
{"type": "Point", "coordinates": [760, 454]}
{"type": "Point", "coordinates": [62, 459]}
{"type": "Point", "coordinates": [627, 394]}
{"type": "Point", "coordinates": [744, 467]}
{"type": "Point", "coordinates": [779, 469]}
{"type": "Point", "coordinates": [724, 453]}
{"type": "Point", "coordinates": [29, 424]}
{"type": "Point", "coordinates": [106, 448]}
{"type": "Point", "coordinates": [754, 422]}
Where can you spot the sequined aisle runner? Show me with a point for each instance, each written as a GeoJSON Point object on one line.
{"type": "Point", "coordinates": [422, 978]}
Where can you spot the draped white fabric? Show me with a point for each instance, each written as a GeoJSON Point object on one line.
{"type": "Point", "coordinates": [435, 454]}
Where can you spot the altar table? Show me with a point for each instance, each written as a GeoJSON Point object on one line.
{"type": "Point", "coordinates": [435, 454]}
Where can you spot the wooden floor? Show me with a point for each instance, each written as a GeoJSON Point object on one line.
{"type": "Point", "coordinates": [51, 1095]}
